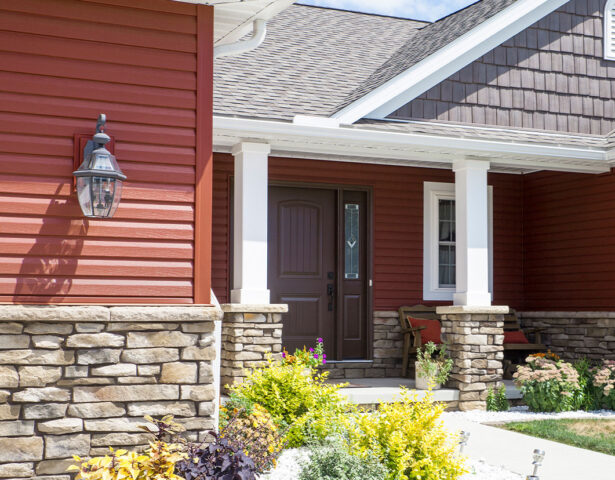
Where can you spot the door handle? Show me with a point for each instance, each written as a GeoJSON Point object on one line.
{"type": "Point", "coordinates": [331, 294]}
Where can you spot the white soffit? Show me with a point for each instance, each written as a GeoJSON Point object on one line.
{"type": "Point", "coordinates": [233, 18]}
{"type": "Point", "coordinates": [387, 98]}
{"type": "Point", "coordinates": [363, 145]}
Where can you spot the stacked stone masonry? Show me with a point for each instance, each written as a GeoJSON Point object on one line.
{"type": "Point", "coordinates": [574, 335]}
{"type": "Point", "coordinates": [249, 333]}
{"type": "Point", "coordinates": [475, 342]}
{"type": "Point", "coordinates": [75, 380]}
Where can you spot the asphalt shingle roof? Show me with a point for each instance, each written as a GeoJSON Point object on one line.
{"type": "Point", "coordinates": [428, 41]}
{"type": "Point", "coordinates": [315, 61]}
{"type": "Point", "coordinates": [312, 59]}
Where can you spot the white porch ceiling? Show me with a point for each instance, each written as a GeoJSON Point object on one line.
{"type": "Point", "coordinates": [362, 145]}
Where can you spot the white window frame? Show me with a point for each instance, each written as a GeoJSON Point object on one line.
{"type": "Point", "coordinates": [433, 193]}
{"type": "Point", "coordinates": [609, 26]}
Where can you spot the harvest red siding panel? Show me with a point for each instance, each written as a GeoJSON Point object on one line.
{"type": "Point", "coordinates": [62, 62]}
{"type": "Point", "coordinates": [398, 224]}
{"type": "Point", "coordinates": [569, 237]}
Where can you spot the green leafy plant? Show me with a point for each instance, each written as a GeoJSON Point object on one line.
{"type": "Point", "coordinates": [409, 439]}
{"type": "Point", "coordinates": [496, 399]}
{"type": "Point", "coordinates": [304, 405]}
{"type": "Point", "coordinates": [432, 362]}
{"type": "Point", "coordinates": [548, 385]}
{"type": "Point", "coordinates": [590, 395]}
{"type": "Point", "coordinates": [332, 461]}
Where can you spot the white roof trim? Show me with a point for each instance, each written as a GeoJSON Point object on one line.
{"type": "Point", "coordinates": [436, 68]}
{"type": "Point", "coordinates": [399, 148]}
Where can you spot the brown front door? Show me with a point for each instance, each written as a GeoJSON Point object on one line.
{"type": "Point", "coordinates": [318, 266]}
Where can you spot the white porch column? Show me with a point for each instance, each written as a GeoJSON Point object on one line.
{"type": "Point", "coordinates": [472, 243]}
{"type": "Point", "coordinates": [250, 224]}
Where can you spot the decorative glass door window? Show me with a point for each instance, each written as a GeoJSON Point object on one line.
{"type": "Point", "coordinates": [446, 243]}
{"type": "Point", "coordinates": [351, 241]}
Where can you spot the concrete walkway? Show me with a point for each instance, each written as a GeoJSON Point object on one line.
{"type": "Point", "coordinates": [370, 391]}
{"type": "Point", "coordinates": [513, 451]}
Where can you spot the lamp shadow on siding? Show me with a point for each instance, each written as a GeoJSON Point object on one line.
{"type": "Point", "coordinates": [49, 268]}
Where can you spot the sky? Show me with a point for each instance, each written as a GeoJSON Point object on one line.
{"type": "Point", "coordinates": [429, 10]}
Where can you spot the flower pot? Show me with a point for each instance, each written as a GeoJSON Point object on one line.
{"type": "Point", "coordinates": [422, 383]}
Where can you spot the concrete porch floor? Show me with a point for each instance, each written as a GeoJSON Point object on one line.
{"type": "Point", "coordinates": [370, 391]}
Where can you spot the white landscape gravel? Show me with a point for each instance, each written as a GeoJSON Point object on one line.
{"type": "Point", "coordinates": [522, 414]}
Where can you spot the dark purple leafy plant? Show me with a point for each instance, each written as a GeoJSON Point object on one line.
{"type": "Point", "coordinates": [218, 461]}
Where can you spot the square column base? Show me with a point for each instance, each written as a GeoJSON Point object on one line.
{"type": "Point", "coordinates": [475, 338]}
{"type": "Point", "coordinates": [478, 299]}
{"type": "Point", "coordinates": [251, 297]}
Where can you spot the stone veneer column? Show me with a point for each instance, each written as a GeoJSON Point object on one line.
{"type": "Point", "coordinates": [249, 332]}
{"type": "Point", "coordinates": [475, 338]}
{"type": "Point", "coordinates": [75, 380]}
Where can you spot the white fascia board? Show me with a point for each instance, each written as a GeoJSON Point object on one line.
{"type": "Point", "coordinates": [436, 68]}
{"type": "Point", "coordinates": [267, 129]}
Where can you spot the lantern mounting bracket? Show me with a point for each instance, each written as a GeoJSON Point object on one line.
{"type": "Point", "coordinates": [100, 128]}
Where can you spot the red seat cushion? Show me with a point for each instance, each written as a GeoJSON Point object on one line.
{"type": "Point", "coordinates": [431, 333]}
{"type": "Point", "coordinates": [516, 336]}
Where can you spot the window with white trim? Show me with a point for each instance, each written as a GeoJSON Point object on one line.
{"type": "Point", "coordinates": [609, 30]}
{"type": "Point", "coordinates": [439, 241]}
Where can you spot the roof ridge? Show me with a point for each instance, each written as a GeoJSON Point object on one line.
{"type": "Point", "coordinates": [426, 22]}
{"type": "Point", "coordinates": [457, 11]}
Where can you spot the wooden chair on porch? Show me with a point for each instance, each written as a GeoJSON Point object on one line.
{"type": "Point", "coordinates": [426, 327]}
{"type": "Point", "coordinates": [413, 333]}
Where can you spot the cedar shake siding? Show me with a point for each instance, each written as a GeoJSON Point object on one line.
{"type": "Point", "coordinates": [569, 238]}
{"type": "Point", "coordinates": [63, 63]}
{"type": "Point", "coordinates": [552, 76]}
{"type": "Point", "coordinates": [397, 224]}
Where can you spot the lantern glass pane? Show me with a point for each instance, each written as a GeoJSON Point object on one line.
{"type": "Point", "coordinates": [84, 195]}
{"type": "Point", "coordinates": [103, 194]}
{"type": "Point", "coordinates": [101, 162]}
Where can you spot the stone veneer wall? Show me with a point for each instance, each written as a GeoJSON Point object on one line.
{"type": "Point", "coordinates": [249, 332]}
{"type": "Point", "coordinates": [77, 379]}
{"type": "Point", "coordinates": [388, 343]}
{"type": "Point", "coordinates": [573, 335]}
{"type": "Point", "coordinates": [475, 338]}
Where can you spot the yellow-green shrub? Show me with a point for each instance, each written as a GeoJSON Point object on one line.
{"type": "Point", "coordinates": [297, 398]}
{"type": "Point", "coordinates": [157, 462]}
{"type": "Point", "coordinates": [408, 438]}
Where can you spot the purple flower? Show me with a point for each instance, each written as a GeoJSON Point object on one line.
{"type": "Point", "coordinates": [315, 355]}
{"type": "Point", "coordinates": [311, 349]}
{"type": "Point", "coordinates": [324, 361]}
{"type": "Point", "coordinates": [324, 355]}
{"type": "Point", "coordinates": [319, 340]}
{"type": "Point", "coordinates": [283, 354]}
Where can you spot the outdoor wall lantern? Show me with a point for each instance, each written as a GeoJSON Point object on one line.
{"type": "Point", "coordinates": [99, 178]}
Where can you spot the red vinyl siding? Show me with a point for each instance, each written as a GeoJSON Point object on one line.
{"type": "Point", "coordinates": [62, 63]}
{"type": "Point", "coordinates": [569, 235]}
{"type": "Point", "coordinates": [398, 224]}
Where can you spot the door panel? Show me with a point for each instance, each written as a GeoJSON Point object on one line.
{"type": "Point", "coordinates": [301, 256]}
{"type": "Point", "coordinates": [318, 265]}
